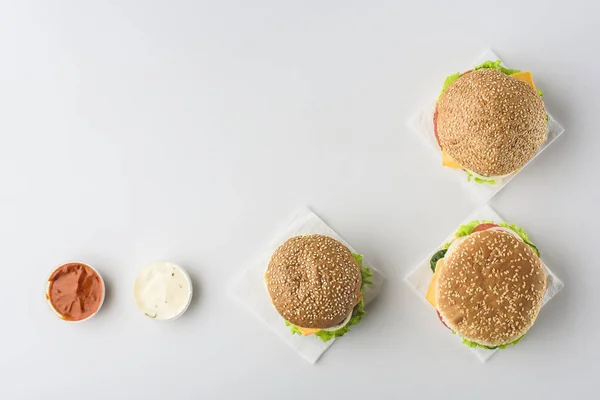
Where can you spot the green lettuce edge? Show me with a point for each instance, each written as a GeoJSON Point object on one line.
{"type": "Point", "coordinates": [477, 179]}
{"type": "Point", "coordinates": [519, 231]}
{"type": "Point", "coordinates": [450, 79]}
{"type": "Point", "coordinates": [467, 229]}
{"type": "Point", "coordinates": [502, 346]}
{"type": "Point", "coordinates": [507, 71]}
{"type": "Point", "coordinates": [357, 313]}
{"type": "Point", "coordinates": [293, 328]}
{"type": "Point", "coordinates": [496, 65]}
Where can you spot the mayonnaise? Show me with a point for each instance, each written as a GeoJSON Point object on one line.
{"type": "Point", "coordinates": [163, 290]}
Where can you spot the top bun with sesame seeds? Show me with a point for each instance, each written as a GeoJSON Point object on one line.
{"type": "Point", "coordinates": [490, 123]}
{"type": "Point", "coordinates": [314, 281]}
{"type": "Point", "coordinates": [490, 288]}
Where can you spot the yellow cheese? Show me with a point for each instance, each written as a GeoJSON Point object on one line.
{"type": "Point", "coordinates": [431, 291]}
{"type": "Point", "coordinates": [448, 161]}
{"type": "Point", "coordinates": [525, 77]}
{"type": "Point", "coordinates": [308, 331]}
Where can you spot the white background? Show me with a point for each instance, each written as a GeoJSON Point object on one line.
{"type": "Point", "coordinates": [191, 131]}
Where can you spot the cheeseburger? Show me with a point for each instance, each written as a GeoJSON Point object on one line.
{"type": "Point", "coordinates": [489, 121]}
{"type": "Point", "coordinates": [488, 284]}
{"type": "Point", "coordinates": [316, 284]}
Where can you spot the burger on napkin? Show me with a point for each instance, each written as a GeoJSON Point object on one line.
{"type": "Point", "coordinates": [488, 284]}
{"type": "Point", "coordinates": [316, 284]}
{"type": "Point", "coordinates": [489, 121]}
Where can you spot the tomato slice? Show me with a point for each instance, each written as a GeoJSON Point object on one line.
{"type": "Point", "coordinates": [435, 131]}
{"type": "Point", "coordinates": [483, 227]}
{"type": "Point", "coordinates": [440, 317]}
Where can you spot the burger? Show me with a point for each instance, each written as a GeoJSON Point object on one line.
{"type": "Point", "coordinates": [489, 121]}
{"type": "Point", "coordinates": [316, 284]}
{"type": "Point", "coordinates": [488, 284]}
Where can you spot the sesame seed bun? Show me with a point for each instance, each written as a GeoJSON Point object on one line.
{"type": "Point", "coordinates": [490, 122]}
{"type": "Point", "coordinates": [490, 288]}
{"type": "Point", "coordinates": [314, 281]}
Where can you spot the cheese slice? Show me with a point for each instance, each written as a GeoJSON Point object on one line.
{"type": "Point", "coordinates": [431, 291]}
{"type": "Point", "coordinates": [525, 77]}
{"type": "Point", "coordinates": [308, 331]}
{"type": "Point", "coordinates": [448, 161]}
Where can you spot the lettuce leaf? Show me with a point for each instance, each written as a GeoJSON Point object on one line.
{"type": "Point", "coordinates": [467, 229]}
{"type": "Point", "coordinates": [293, 328]}
{"type": "Point", "coordinates": [449, 81]}
{"type": "Point", "coordinates": [507, 71]}
{"type": "Point", "coordinates": [502, 346]}
{"type": "Point", "coordinates": [478, 179]}
{"type": "Point", "coordinates": [496, 65]}
{"type": "Point", "coordinates": [357, 313]}
{"type": "Point", "coordinates": [436, 257]}
{"type": "Point", "coordinates": [365, 272]}
{"type": "Point", "coordinates": [519, 231]}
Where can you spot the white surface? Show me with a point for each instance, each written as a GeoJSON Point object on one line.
{"type": "Point", "coordinates": [422, 124]}
{"type": "Point", "coordinates": [250, 287]}
{"type": "Point", "coordinates": [190, 130]}
{"type": "Point", "coordinates": [420, 277]}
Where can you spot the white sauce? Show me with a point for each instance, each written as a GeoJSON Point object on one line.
{"type": "Point", "coordinates": [163, 290]}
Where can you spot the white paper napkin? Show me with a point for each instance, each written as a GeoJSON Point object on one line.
{"type": "Point", "coordinates": [422, 124]}
{"type": "Point", "coordinates": [251, 291]}
{"type": "Point", "coordinates": [420, 278]}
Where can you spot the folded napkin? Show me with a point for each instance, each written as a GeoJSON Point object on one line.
{"type": "Point", "coordinates": [251, 291]}
{"type": "Point", "coordinates": [420, 278]}
{"type": "Point", "coordinates": [422, 124]}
